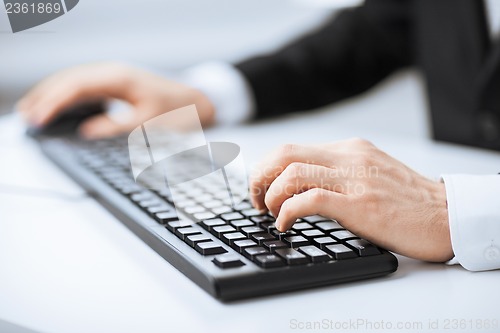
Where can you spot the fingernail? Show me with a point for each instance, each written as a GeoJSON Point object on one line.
{"type": "Point", "coordinates": [277, 225]}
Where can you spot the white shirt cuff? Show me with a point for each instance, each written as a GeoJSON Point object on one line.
{"type": "Point", "coordinates": [474, 219]}
{"type": "Point", "coordinates": [226, 88]}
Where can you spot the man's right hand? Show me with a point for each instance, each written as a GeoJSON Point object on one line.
{"type": "Point", "coordinates": [149, 95]}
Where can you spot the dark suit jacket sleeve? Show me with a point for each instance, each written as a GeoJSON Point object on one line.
{"type": "Point", "coordinates": [350, 54]}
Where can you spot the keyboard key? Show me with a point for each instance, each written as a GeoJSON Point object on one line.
{"type": "Point", "coordinates": [212, 204]}
{"type": "Point", "coordinates": [149, 203]}
{"type": "Point", "coordinates": [315, 218]}
{"type": "Point", "coordinates": [312, 233]}
{"type": "Point", "coordinates": [316, 255]}
{"type": "Point", "coordinates": [219, 230]}
{"type": "Point", "coordinates": [296, 241]}
{"type": "Point", "coordinates": [122, 185]}
{"type": "Point", "coordinates": [222, 194]}
{"type": "Point", "coordinates": [165, 194]}
{"type": "Point", "coordinates": [252, 252]}
{"type": "Point", "coordinates": [128, 190]}
{"type": "Point", "coordinates": [243, 205]}
{"type": "Point", "coordinates": [194, 209]}
{"type": "Point", "coordinates": [322, 242]}
{"type": "Point", "coordinates": [292, 256]}
{"type": "Point", "coordinates": [137, 197]}
{"type": "Point", "coordinates": [232, 216]}
{"type": "Point", "coordinates": [192, 240]}
{"type": "Point", "coordinates": [183, 232]}
{"type": "Point", "coordinates": [174, 225]}
{"type": "Point", "coordinates": [269, 226]}
{"type": "Point", "coordinates": [207, 248]}
{"type": "Point", "coordinates": [281, 235]}
{"type": "Point", "coordinates": [165, 217]}
{"type": "Point", "coordinates": [262, 237]}
{"type": "Point", "coordinates": [221, 210]}
{"type": "Point", "coordinates": [194, 192]}
{"type": "Point", "coordinates": [329, 226]}
{"type": "Point", "coordinates": [238, 224]}
{"type": "Point", "coordinates": [241, 244]}
{"type": "Point", "coordinates": [228, 202]}
{"type": "Point", "coordinates": [342, 234]}
{"type": "Point", "coordinates": [227, 261]}
{"type": "Point", "coordinates": [268, 261]}
{"type": "Point", "coordinates": [363, 247]}
{"type": "Point", "coordinates": [229, 238]}
{"type": "Point", "coordinates": [184, 203]}
{"type": "Point", "coordinates": [251, 230]}
{"type": "Point", "coordinates": [340, 251]}
{"type": "Point", "coordinates": [209, 224]}
{"type": "Point", "coordinates": [201, 198]}
{"type": "Point", "coordinates": [274, 245]}
{"type": "Point", "coordinates": [262, 219]}
{"type": "Point", "coordinates": [302, 226]}
{"type": "Point", "coordinates": [251, 212]}
{"type": "Point", "coordinates": [204, 216]}
{"type": "Point", "coordinates": [159, 209]}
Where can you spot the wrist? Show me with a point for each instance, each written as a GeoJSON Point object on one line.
{"type": "Point", "coordinates": [439, 224]}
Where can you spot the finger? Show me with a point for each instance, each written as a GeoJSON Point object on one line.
{"type": "Point", "coordinates": [299, 177]}
{"type": "Point", "coordinates": [73, 88]}
{"type": "Point", "coordinates": [104, 126]}
{"type": "Point", "coordinates": [272, 166]}
{"type": "Point", "coordinates": [60, 98]}
{"type": "Point", "coordinates": [25, 104]}
{"type": "Point", "coordinates": [34, 95]}
{"type": "Point", "coordinates": [315, 201]}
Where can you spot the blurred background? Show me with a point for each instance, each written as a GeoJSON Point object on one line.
{"type": "Point", "coordinates": [164, 35]}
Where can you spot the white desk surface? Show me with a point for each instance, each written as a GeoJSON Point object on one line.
{"type": "Point", "coordinates": [67, 265]}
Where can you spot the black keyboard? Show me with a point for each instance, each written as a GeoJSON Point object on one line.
{"type": "Point", "coordinates": [231, 253]}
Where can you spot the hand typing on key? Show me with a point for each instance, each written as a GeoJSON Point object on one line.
{"type": "Point", "coordinates": [148, 95]}
{"type": "Point", "coordinates": [369, 192]}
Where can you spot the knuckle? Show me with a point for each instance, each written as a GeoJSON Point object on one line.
{"type": "Point", "coordinates": [360, 159]}
{"type": "Point", "coordinates": [285, 152]}
{"type": "Point", "coordinates": [349, 200]}
{"type": "Point", "coordinates": [370, 202]}
{"type": "Point", "coordinates": [365, 159]}
{"type": "Point", "coordinates": [355, 140]}
{"type": "Point", "coordinates": [293, 171]}
{"type": "Point", "coordinates": [318, 196]}
{"type": "Point", "coordinates": [360, 142]}
{"type": "Point", "coordinates": [119, 74]}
